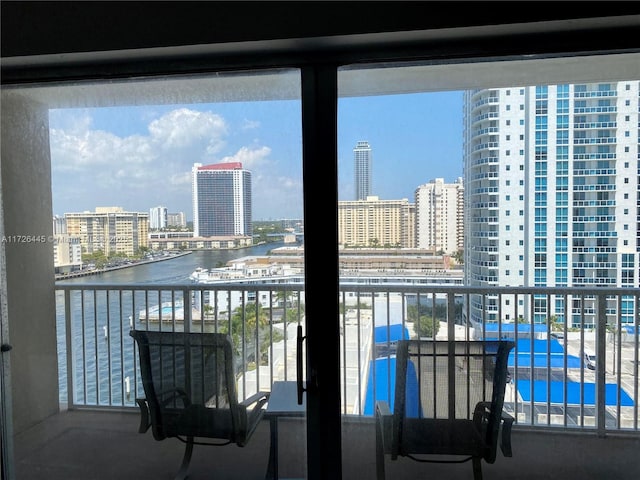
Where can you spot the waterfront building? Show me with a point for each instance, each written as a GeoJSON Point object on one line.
{"type": "Point", "coordinates": [221, 200]}
{"type": "Point", "coordinates": [111, 230]}
{"type": "Point", "coordinates": [158, 218]}
{"type": "Point", "coordinates": [67, 253]}
{"type": "Point", "coordinates": [177, 220]}
{"type": "Point", "coordinates": [186, 241]}
{"type": "Point", "coordinates": [551, 177]}
{"type": "Point", "coordinates": [375, 222]}
{"type": "Point", "coordinates": [362, 165]}
{"type": "Point", "coordinates": [439, 216]}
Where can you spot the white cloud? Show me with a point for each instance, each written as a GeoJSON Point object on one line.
{"type": "Point", "coordinates": [250, 157]}
{"type": "Point", "coordinates": [93, 167]}
{"type": "Point", "coordinates": [185, 127]}
{"type": "Point", "coordinates": [180, 179]}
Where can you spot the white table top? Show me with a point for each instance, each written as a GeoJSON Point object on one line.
{"type": "Point", "coordinates": [283, 401]}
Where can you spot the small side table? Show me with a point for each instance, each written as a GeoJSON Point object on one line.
{"type": "Point", "coordinates": [283, 402]}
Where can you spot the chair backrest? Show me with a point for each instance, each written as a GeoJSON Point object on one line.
{"type": "Point", "coordinates": [447, 380]}
{"type": "Point", "coordinates": [183, 371]}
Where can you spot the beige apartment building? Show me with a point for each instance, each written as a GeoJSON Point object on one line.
{"type": "Point", "coordinates": [109, 229]}
{"type": "Point", "coordinates": [376, 223]}
{"type": "Point", "coordinates": [440, 216]}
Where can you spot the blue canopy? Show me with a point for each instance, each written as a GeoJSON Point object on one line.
{"type": "Point", "coordinates": [546, 354]}
{"type": "Point", "coordinates": [385, 386]}
{"type": "Point", "coordinates": [390, 333]}
{"type": "Point", "coordinates": [542, 360]}
{"type": "Point", "coordinates": [539, 346]}
{"type": "Point", "coordinates": [507, 330]}
{"type": "Point", "coordinates": [541, 391]}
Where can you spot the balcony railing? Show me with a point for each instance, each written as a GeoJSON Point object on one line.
{"type": "Point", "coordinates": [575, 367]}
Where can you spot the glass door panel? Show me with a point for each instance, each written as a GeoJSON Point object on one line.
{"type": "Point", "coordinates": [465, 175]}
{"type": "Point", "coordinates": [177, 206]}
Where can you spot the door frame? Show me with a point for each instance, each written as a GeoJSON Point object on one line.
{"type": "Point", "coordinates": [6, 415]}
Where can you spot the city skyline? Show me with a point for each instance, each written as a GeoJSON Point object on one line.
{"type": "Point", "coordinates": [141, 157]}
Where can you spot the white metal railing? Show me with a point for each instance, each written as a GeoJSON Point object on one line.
{"type": "Point", "coordinates": [576, 366]}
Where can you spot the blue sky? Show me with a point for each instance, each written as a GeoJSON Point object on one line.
{"type": "Point", "coordinates": [141, 157]}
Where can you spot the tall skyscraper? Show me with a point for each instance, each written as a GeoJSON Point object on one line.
{"type": "Point", "coordinates": [439, 216]}
{"type": "Point", "coordinates": [221, 200]}
{"type": "Point", "coordinates": [157, 218]}
{"type": "Point", "coordinates": [362, 170]}
{"type": "Point", "coordinates": [551, 179]}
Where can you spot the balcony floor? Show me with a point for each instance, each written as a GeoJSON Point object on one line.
{"type": "Point", "coordinates": [87, 445]}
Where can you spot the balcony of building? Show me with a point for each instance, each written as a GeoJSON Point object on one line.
{"type": "Point", "coordinates": [576, 417]}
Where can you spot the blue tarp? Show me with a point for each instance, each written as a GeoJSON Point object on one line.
{"type": "Point", "coordinates": [507, 330]}
{"type": "Point", "coordinates": [390, 333]}
{"type": "Point", "coordinates": [542, 360]}
{"type": "Point", "coordinates": [556, 388]}
{"type": "Point", "coordinates": [385, 372]}
{"type": "Point", "coordinates": [545, 354]}
{"type": "Point", "coordinates": [539, 346]}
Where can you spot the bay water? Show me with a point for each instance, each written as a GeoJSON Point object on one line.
{"type": "Point", "coordinates": [102, 351]}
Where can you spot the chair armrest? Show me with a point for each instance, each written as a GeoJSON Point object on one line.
{"type": "Point", "coordinates": [382, 409]}
{"type": "Point", "coordinates": [482, 410]}
{"type": "Point", "coordinates": [505, 435]}
{"type": "Point", "coordinates": [145, 416]}
{"type": "Point", "coordinates": [259, 398]}
{"type": "Point", "coordinates": [384, 426]}
{"type": "Point", "coordinates": [250, 416]}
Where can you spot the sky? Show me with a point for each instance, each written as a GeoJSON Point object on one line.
{"type": "Point", "coordinates": [141, 157]}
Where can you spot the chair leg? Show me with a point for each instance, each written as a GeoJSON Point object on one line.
{"type": "Point", "coordinates": [477, 468]}
{"type": "Point", "coordinates": [186, 459]}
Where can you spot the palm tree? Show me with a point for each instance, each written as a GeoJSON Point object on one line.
{"type": "Point", "coordinates": [244, 322]}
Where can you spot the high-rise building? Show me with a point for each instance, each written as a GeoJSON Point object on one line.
{"type": "Point", "coordinates": [376, 223]}
{"type": "Point", "coordinates": [158, 218]}
{"type": "Point", "coordinates": [439, 216]}
{"type": "Point", "coordinates": [551, 179]}
{"type": "Point", "coordinates": [110, 230]}
{"type": "Point", "coordinates": [362, 170]}
{"type": "Point", "coordinates": [221, 200]}
{"type": "Point", "coordinates": [176, 220]}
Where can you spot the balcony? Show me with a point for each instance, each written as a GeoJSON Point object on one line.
{"type": "Point", "coordinates": [555, 395]}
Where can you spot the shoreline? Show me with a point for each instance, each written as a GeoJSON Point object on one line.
{"type": "Point", "coordinates": [86, 273]}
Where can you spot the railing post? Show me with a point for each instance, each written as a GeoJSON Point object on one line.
{"type": "Point", "coordinates": [451, 316]}
{"type": "Point", "coordinates": [186, 311]}
{"type": "Point", "coordinates": [601, 364]}
{"type": "Point", "coordinates": [69, 337]}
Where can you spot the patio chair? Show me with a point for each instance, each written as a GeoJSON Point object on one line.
{"type": "Point", "coordinates": [448, 404]}
{"type": "Point", "coordinates": [190, 391]}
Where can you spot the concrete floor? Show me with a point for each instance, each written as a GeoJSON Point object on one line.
{"type": "Point", "coordinates": [86, 445]}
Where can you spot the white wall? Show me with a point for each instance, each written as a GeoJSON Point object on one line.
{"type": "Point", "coordinates": [27, 210]}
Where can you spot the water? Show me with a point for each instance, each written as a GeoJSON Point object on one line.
{"type": "Point", "coordinates": [103, 357]}
{"type": "Point", "coordinates": [176, 270]}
